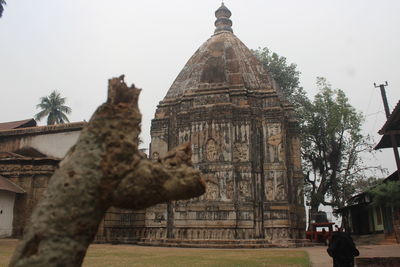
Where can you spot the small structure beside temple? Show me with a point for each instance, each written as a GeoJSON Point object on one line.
{"type": "Point", "coordinates": [363, 217]}
{"type": "Point", "coordinates": [29, 155]}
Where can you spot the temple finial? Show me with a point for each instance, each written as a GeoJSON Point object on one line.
{"type": "Point", "coordinates": [223, 23]}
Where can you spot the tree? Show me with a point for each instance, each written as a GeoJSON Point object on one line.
{"type": "Point", "coordinates": [332, 144]}
{"type": "Point", "coordinates": [2, 4]}
{"type": "Point", "coordinates": [53, 107]}
{"type": "Point", "coordinates": [386, 194]}
{"type": "Point", "coordinates": [103, 169]}
{"type": "Point", "coordinates": [364, 184]}
{"type": "Point", "coordinates": [286, 75]}
{"type": "Point", "coordinates": [330, 133]}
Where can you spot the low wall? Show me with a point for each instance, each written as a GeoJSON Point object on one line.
{"type": "Point", "coordinates": [377, 261]}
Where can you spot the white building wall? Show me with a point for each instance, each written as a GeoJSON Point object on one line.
{"type": "Point", "coordinates": [6, 212]}
{"type": "Point", "coordinates": [54, 145]}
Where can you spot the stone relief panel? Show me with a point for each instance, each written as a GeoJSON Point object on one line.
{"type": "Point", "coordinates": [240, 152]}
{"type": "Point", "coordinates": [245, 215]}
{"type": "Point", "coordinates": [210, 142]}
{"type": "Point", "coordinates": [269, 190]}
{"type": "Point", "coordinates": [277, 233]}
{"type": "Point", "coordinates": [212, 215]}
{"type": "Point", "coordinates": [159, 217]}
{"type": "Point", "coordinates": [212, 188]}
{"type": "Point", "coordinates": [244, 187]}
{"type": "Point", "coordinates": [211, 99]}
{"type": "Point", "coordinates": [229, 191]}
{"type": "Point", "coordinates": [280, 192]}
{"type": "Point", "coordinates": [241, 133]}
{"type": "Point", "coordinates": [275, 188]}
{"type": "Point", "coordinates": [212, 150]}
{"type": "Point", "coordinates": [224, 129]}
{"type": "Point", "coordinates": [245, 190]}
{"type": "Point", "coordinates": [275, 152]}
{"type": "Point", "coordinates": [240, 147]}
{"type": "Point", "coordinates": [212, 191]}
{"type": "Point", "coordinates": [156, 217]}
{"type": "Point", "coordinates": [155, 156]}
{"type": "Point", "coordinates": [277, 215]}
{"type": "Point", "coordinates": [184, 135]}
{"type": "Point", "coordinates": [222, 184]}
{"type": "Point", "coordinates": [197, 139]}
{"type": "Point", "coordinates": [219, 186]}
{"type": "Point", "coordinates": [159, 147]}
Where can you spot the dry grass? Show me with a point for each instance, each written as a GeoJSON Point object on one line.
{"type": "Point", "coordinates": [126, 255]}
{"type": "Point", "coordinates": [6, 249]}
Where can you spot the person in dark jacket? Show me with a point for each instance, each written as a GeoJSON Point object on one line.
{"type": "Point", "coordinates": [342, 249]}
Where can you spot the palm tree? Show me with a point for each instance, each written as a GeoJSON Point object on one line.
{"type": "Point", "coordinates": [53, 107]}
{"type": "Point", "coordinates": [2, 4]}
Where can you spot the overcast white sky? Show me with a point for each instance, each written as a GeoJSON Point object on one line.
{"type": "Point", "coordinates": [75, 46]}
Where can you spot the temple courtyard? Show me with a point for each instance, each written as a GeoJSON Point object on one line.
{"type": "Point", "coordinates": [106, 255]}
{"type": "Point", "coordinates": [100, 255]}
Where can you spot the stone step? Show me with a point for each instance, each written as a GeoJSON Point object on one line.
{"type": "Point", "coordinates": [204, 245]}
{"type": "Point", "coordinates": [388, 241]}
{"type": "Point", "coordinates": [375, 239]}
{"type": "Point", "coordinates": [219, 243]}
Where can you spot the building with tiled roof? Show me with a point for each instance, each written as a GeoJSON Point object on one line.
{"type": "Point", "coordinates": [29, 155]}
{"type": "Point", "coordinates": [17, 124]}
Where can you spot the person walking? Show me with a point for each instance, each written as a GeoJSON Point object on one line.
{"type": "Point", "coordinates": [342, 249]}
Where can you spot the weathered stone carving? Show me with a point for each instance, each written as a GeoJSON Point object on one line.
{"type": "Point", "coordinates": [212, 191]}
{"type": "Point", "coordinates": [275, 186]}
{"type": "Point", "coordinates": [270, 190]}
{"type": "Point", "coordinates": [229, 188]}
{"type": "Point", "coordinates": [212, 150]}
{"type": "Point", "coordinates": [155, 156]}
{"type": "Point", "coordinates": [240, 152]}
{"type": "Point", "coordinates": [275, 152]}
{"type": "Point", "coordinates": [245, 191]}
{"type": "Point", "coordinates": [159, 217]}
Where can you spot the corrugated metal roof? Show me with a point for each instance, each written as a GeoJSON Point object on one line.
{"type": "Point", "coordinates": [386, 142]}
{"type": "Point", "coordinates": [7, 185]}
{"type": "Point", "coordinates": [17, 124]}
{"type": "Point", "coordinates": [393, 177]}
{"type": "Point", "coordinates": [393, 122]}
{"type": "Point", "coordinates": [65, 127]}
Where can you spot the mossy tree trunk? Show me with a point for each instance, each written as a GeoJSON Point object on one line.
{"type": "Point", "coordinates": [103, 169]}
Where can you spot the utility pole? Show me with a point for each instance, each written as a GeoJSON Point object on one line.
{"type": "Point", "coordinates": [392, 136]}
{"type": "Point", "coordinates": [384, 99]}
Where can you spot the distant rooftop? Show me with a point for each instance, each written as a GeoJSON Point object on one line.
{"type": "Point", "coordinates": [17, 124]}
{"type": "Point", "coordinates": [8, 185]}
{"type": "Point", "coordinates": [391, 126]}
{"type": "Point", "coordinates": [55, 128]}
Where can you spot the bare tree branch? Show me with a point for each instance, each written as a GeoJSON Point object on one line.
{"type": "Point", "coordinates": [103, 169]}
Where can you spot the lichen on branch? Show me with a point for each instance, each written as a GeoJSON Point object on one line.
{"type": "Point", "coordinates": [103, 169]}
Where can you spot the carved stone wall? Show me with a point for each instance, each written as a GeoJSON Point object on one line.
{"type": "Point", "coordinates": [249, 157]}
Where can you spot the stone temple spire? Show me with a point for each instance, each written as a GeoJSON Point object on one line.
{"type": "Point", "coordinates": [223, 23]}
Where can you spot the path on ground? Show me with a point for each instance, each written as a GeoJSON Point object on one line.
{"type": "Point", "coordinates": [320, 258]}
